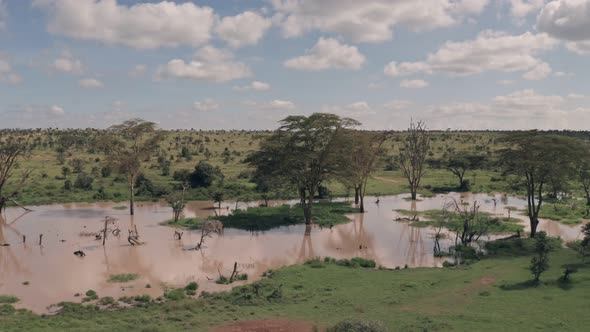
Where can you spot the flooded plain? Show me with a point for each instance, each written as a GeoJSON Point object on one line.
{"type": "Point", "coordinates": [42, 275]}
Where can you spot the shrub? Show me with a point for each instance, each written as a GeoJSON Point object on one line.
{"type": "Point", "coordinates": [105, 171]}
{"type": "Point", "coordinates": [355, 325]}
{"type": "Point", "coordinates": [84, 181]}
{"type": "Point", "coordinates": [540, 263]}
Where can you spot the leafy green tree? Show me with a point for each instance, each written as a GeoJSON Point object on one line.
{"type": "Point", "coordinates": [536, 159]}
{"type": "Point", "coordinates": [303, 153]}
{"type": "Point", "coordinates": [126, 146]}
{"type": "Point", "coordinates": [204, 175]}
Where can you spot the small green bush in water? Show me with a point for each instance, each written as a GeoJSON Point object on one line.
{"type": "Point", "coordinates": [126, 277]}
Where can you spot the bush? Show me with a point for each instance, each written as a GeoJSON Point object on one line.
{"type": "Point", "coordinates": [540, 263]}
{"type": "Point", "coordinates": [84, 181]}
{"type": "Point", "coordinates": [355, 325]}
{"type": "Point", "coordinates": [68, 184]}
{"type": "Point", "coordinates": [204, 175]}
{"type": "Point", "coordinates": [105, 171]}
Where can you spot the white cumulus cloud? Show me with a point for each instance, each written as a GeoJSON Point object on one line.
{"type": "Point", "coordinates": [490, 51]}
{"type": "Point", "coordinates": [142, 25]}
{"type": "Point", "coordinates": [243, 29]}
{"type": "Point", "coordinates": [370, 20]}
{"type": "Point", "coordinates": [253, 86]}
{"type": "Point", "coordinates": [328, 53]}
{"type": "Point", "coordinates": [209, 64]}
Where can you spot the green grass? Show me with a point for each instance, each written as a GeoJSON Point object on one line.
{"type": "Point", "coordinates": [120, 207]}
{"type": "Point", "coordinates": [190, 223]}
{"type": "Point", "coordinates": [8, 299]}
{"type": "Point", "coordinates": [489, 295]}
{"type": "Point", "coordinates": [125, 277]}
{"type": "Point", "coordinates": [265, 218]}
{"type": "Point", "coordinates": [572, 213]}
{"type": "Point", "coordinates": [433, 218]}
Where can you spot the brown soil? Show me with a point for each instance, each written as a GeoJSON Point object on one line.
{"type": "Point", "coordinates": [266, 325]}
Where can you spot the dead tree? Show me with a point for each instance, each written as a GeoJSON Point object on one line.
{"type": "Point", "coordinates": [178, 235]}
{"type": "Point", "coordinates": [10, 154]}
{"type": "Point", "coordinates": [207, 228]}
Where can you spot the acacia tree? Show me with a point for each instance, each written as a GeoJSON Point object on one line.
{"type": "Point", "coordinates": [11, 152]}
{"type": "Point", "coordinates": [304, 153]}
{"type": "Point", "coordinates": [363, 151]}
{"type": "Point", "coordinates": [126, 146]}
{"type": "Point", "coordinates": [536, 159]}
{"type": "Point", "coordinates": [412, 154]}
{"type": "Point", "coordinates": [458, 164]}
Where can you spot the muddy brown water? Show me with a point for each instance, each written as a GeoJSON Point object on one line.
{"type": "Point", "coordinates": [43, 275]}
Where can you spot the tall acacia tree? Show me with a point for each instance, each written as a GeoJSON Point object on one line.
{"type": "Point", "coordinates": [538, 158]}
{"type": "Point", "coordinates": [412, 154]}
{"type": "Point", "coordinates": [362, 150]}
{"type": "Point", "coordinates": [127, 145]}
{"type": "Point", "coordinates": [303, 153]}
{"type": "Point", "coordinates": [11, 152]}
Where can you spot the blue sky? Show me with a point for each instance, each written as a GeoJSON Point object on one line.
{"type": "Point", "coordinates": [460, 64]}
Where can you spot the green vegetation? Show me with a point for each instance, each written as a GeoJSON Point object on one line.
{"type": "Point", "coordinates": [8, 299]}
{"type": "Point", "coordinates": [493, 223]}
{"type": "Point", "coordinates": [571, 214]}
{"type": "Point", "coordinates": [492, 294]}
{"type": "Point", "coordinates": [265, 218]}
{"type": "Point", "coordinates": [125, 277]}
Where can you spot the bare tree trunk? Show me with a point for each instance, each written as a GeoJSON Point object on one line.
{"type": "Point", "coordinates": [356, 194]}
{"type": "Point", "coordinates": [534, 223]}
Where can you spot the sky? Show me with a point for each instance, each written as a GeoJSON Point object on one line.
{"type": "Point", "coordinates": [246, 64]}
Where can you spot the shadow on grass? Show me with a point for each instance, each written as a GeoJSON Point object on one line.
{"type": "Point", "coordinates": [520, 285]}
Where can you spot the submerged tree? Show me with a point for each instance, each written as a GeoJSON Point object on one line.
{"type": "Point", "coordinates": [413, 152]}
{"type": "Point", "coordinates": [304, 153]}
{"type": "Point", "coordinates": [127, 145]}
{"type": "Point", "coordinates": [537, 159]}
{"type": "Point", "coordinates": [11, 152]}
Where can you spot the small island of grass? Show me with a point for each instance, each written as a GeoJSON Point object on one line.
{"type": "Point", "coordinates": [265, 218]}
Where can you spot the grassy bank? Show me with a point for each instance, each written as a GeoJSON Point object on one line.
{"type": "Point", "coordinates": [489, 295]}
{"type": "Point", "coordinates": [433, 218]}
{"type": "Point", "coordinates": [265, 218]}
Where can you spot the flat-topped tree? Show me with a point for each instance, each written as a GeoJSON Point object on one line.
{"type": "Point", "coordinates": [303, 153]}
{"type": "Point", "coordinates": [11, 152]}
{"type": "Point", "coordinates": [537, 159]}
{"type": "Point", "coordinates": [126, 146]}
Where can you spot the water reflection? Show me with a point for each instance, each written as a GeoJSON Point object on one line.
{"type": "Point", "coordinates": [55, 274]}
